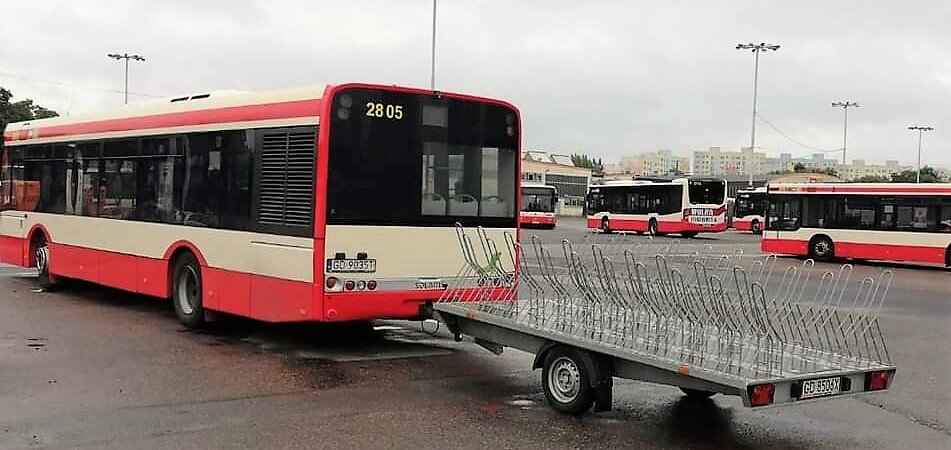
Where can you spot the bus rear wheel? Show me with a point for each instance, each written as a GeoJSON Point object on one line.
{"type": "Point", "coordinates": [605, 225]}
{"type": "Point", "coordinates": [187, 291]}
{"type": "Point", "coordinates": [41, 254]}
{"type": "Point", "coordinates": [652, 227]}
{"type": "Point", "coordinates": [821, 248]}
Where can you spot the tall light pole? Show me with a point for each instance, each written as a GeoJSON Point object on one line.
{"type": "Point", "coordinates": [126, 57]}
{"type": "Point", "coordinates": [920, 130]}
{"type": "Point", "coordinates": [845, 131]}
{"type": "Point", "coordinates": [432, 72]}
{"type": "Point", "coordinates": [756, 49]}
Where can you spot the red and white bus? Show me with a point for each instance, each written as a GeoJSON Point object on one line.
{"type": "Point", "coordinates": [749, 209]}
{"type": "Point", "coordinates": [685, 205]}
{"type": "Point", "coordinates": [334, 203]}
{"type": "Point", "coordinates": [878, 221]}
{"type": "Point", "coordinates": [538, 206]}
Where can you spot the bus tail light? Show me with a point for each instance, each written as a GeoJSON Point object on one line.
{"type": "Point", "coordinates": [349, 285]}
{"type": "Point", "coordinates": [331, 282]}
{"type": "Point", "coordinates": [686, 213]}
{"type": "Point", "coordinates": [876, 381]}
{"type": "Point", "coordinates": [371, 285]}
{"type": "Point", "coordinates": [761, 394]}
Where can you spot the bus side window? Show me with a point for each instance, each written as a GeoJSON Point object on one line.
{"type": "Point", "coordinates": [784, 214]}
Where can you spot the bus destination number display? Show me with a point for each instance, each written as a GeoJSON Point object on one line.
{"type": "Point", "coordinates": [351, 265]}
{"type": "Point", "coordinates": [384, 111]}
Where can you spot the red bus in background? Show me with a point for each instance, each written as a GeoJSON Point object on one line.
{"type": "Point", "coordinates": [685, 205]}
{"type": "Point", "coordinates": [538, 206]}
{"type": "Point", "coordinates": [876, 221]}
{"type": "Point", "coordinates": [322, 204]}
{"type": "Point", "coordinates": [749, 210]}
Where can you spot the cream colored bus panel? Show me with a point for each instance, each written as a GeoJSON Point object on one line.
{"type": "Point", "coordinates": [408, 252]}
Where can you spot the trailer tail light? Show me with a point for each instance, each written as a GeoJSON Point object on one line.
{"type": "Point", "coordinates": [761, 394]}
{"type": "Point", "coordinates": [349, 285]}
{"type": "Point", "coordinates": [371, 285]}
{"type": "Point", "coordinates": [331, 282]}
{"type": "Point", "coordinates": [876, 381]}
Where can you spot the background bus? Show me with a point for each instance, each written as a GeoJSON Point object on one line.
{"type": "Point", "coordinates": [539, 202]}
{"type": "Point", "coordinates": [685, 205]}
{"type": "Point", "coordinates": [749, 210]}
{"type": "Point", "coordinates": [883, 221]}
{"type": "Point", "coordinates": [297, 205]}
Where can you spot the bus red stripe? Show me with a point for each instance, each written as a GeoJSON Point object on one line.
{"type": "Point", "coordinates": [268, 111]}
{"type": "Point", "coordinates": [861, 250]}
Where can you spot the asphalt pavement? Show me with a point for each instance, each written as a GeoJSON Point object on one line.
{"type": "Point", "coordinates": [89, 367]}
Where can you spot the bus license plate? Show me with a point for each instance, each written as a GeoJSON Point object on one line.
{"type": "Point", "coordinates": [703, 219]}
{"type": "Point", "coordinates": [351, 265]}
{"type": "Point", "coordinates": [821, 387]}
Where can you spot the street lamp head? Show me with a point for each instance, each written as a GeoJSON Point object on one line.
{"type": "Point", "coordinates": [114, 56]}
{"type": "Point", "coordinates": [137, 58]}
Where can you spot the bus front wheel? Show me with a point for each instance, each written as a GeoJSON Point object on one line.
{"type": "Point", "coordinates": [755, 227]}
{"type": "Point", "coordinates": [821, 248]}
{"type": "Point", "coordinates": [41, 255]}
{"type": "Point", "coordinates": [652, 227]}
{"type": "Point", "coordinates": [187, 291]}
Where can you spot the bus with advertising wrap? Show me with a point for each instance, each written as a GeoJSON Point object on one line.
{"type": "Point", "coordinates": [334, 203]}
{"type": "Point", "coordinates": [684, 205]}
{"type": "Point", "coordinates": [538, 206]}
{"type": "Point", "coordinates": [874, 221]}
{"type": "Point", "coordinates": [749, 209]}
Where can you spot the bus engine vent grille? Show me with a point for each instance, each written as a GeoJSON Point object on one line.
{"type": "Point", "coordinates": [287, 177]}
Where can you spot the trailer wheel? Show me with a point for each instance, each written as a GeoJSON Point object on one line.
{"type": "Point", "coordinates": [697, 393]}
{"type": "Point", "coordinates": [567, 381]}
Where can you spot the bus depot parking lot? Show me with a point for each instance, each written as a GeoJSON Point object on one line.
{"type": "Point", "coordinates": [91, 367]}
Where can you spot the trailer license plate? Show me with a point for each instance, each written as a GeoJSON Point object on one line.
{"type": "Point", "coordinates": [821, 387]}
{"type": "Point", "coordinates": [351, 265]}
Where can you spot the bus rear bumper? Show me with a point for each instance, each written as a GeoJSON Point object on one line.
{"type": "Point", "coordinates": [368, 305]}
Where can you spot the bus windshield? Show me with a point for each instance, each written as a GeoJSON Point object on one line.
{"type": "Point", "coordinates": [707, 192]}
{"type": "Point", "coordinates": [538, 200]}
{"type": "Point", "coordinates": [750, 203]}
{"type": "Point", "coordinates": [398, 158]}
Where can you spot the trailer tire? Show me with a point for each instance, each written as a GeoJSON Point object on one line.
{"type": "Point", "coordinates": [697, 394]}
{"type": "Point", "coordinates": [567, 380]}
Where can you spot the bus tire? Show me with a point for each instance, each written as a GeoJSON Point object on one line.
{"type": "Point", "coordinates": [187, 291]}
{"type": "Point", "coordinates": [697, 394]}
{"type": "Point", "coordinates": [605, 225]}
{"type": "Point", "coordinates": [40, 251]}
{"type": "Point", "coordinates": [755, 228]}
{"type": "Point", "coordinates": [689, 234]}
{"type": "Point", "coordinates": [652, 227]}
{"type": "Point", "coordinates": [566, 380]}
{"type": "Point", "coordinates": [821, 248]}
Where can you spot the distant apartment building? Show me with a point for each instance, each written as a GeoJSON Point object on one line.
{"type": "Point", "coordinates": [716, 162]}
{"type": "Point", "coordinates": [661, 162]}
{"type": "Point", "coordinates": [859, 168]}
{"type": "Point", "coordinates": [818, 161]}
{"type": "Point", "coordinates": [558, 171]}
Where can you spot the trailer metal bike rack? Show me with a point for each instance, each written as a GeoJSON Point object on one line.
{"type": "Point", "coordinates": [702, 322]}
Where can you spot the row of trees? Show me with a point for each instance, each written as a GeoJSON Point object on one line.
{"type": "Point", "coordinates": [19, 111]}
{"type": "Point", "coordinates": [928, 175]}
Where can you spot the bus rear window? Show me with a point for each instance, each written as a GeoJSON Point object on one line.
{"type": "Point", "coordinates": [707, 192]}
{"type": "Point", "coordinates": [407, 159]}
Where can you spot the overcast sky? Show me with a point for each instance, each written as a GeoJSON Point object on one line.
{"type": "Point", "coordinates": [609, 78]}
